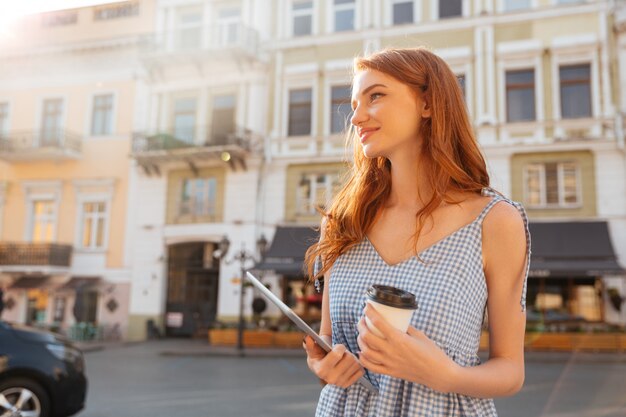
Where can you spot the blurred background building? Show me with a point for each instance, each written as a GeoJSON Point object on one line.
{"type": "Point", "coordinates": [139, 137]}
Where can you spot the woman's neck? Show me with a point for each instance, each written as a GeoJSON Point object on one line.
{"type": "Point", "coordinates": [409, 185]}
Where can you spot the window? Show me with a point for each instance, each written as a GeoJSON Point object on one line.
{"type": "Point", "coordinates": [93, 225]}
{"type": "Point", "coordinates": [575, 91]}
{"type": "Point", "coordinates": [299, 112]}
{"type": "Point", "coordinates": [552, 184]}
{"type": "Point", "coordinates": [302, 12]}
{"type": "Point", "coordinates": [520, 95]}
{"type": "Point", "coordinates": [62, 18]}
{"type": "Point", "coordinates": [344, 15]}
{"type": "Point", "coordinates": [223, 118]}
{"type": "Point", "coordinates": [228, 24]}
{"type": "Point", "coordinates": [569, 1]}
{"type": "Point", "coordinates": [402, 12]}
{"type": "Point", "coordinates": [43, 221]}
{"type": "Point", "coordinates": [116, 11]}
{"type": "Point", "coordinates": [189, 29]}
{"type": "Point", "coordinates": [51, 121]}
{"type": "Point", "coordinates": [185, 119]}
{"type": "Point", "coordinates": [512, 5]}
{"type": "Point", "coordinates": [450, 8]}
{"type": "Point", "coordinates": [4, 118]}
{"type": "Point", "coordinates": [199, 197]}
{"type": "Point", "coordinates": [102, 115]}
{"type": "Point", "coordinates": [315, 190]}
{"type": "Point", "coordinates": [59, 309]}
{"type": "Point", "coordinates": [340, 108]}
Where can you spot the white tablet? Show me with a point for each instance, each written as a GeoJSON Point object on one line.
{"type": "Point", "coordinates": [299, 322]}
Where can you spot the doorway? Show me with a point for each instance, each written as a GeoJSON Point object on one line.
{"type": "Point", "coordinates": [192, 290]}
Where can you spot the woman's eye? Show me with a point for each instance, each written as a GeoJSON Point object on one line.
{"type": "Point", "coordinates": [374, 96]}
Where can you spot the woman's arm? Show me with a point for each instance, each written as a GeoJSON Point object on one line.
{"type": "Point", "coordinates": [339, 366]}
{"type": "Point", "coordinates": [413, 356]}
{"type": "Point", "coordinates": [504, 251]}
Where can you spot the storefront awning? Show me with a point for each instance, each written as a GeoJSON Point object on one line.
{"type": "Point", "coordinates": [572, 249]}
{"type": "Point", "coordinates": [84, 283]}
{"type": "Point", "coordinates": [286, 253]}
{"type": "Point", "coordinates": [27, 283]}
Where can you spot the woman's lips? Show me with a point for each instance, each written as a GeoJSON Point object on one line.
{"type": "Point", "coordinates": [366, 133]}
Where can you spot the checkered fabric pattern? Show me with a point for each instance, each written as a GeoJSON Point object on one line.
{"type": "Point", "coordinates": [451, 292]}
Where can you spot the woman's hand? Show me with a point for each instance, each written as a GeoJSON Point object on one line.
{"type": "Point", "coordinates": [338, 367]}
{"type": "Point", "coordinates": [410, 356]}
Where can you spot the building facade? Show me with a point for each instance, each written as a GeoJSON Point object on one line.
{"type": "Point", "coordinates": [236, 118]}
{"type": "Point", "coordinates": [67, 99]}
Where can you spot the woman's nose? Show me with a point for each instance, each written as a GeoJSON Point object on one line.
{"type": "Point", "coordinates": [359, 115]}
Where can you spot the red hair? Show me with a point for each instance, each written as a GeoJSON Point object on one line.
{"type": "Point", "coordinates": [449, 151]}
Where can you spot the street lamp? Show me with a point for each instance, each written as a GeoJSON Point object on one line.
{"type": "Point", "coordinates": [242, 256]}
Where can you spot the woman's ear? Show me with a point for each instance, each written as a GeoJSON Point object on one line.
{"type": "Point", "coordinates": [426, 112]}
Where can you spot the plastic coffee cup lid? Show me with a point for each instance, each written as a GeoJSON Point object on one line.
{"type": "Point", "coordinates": [392, 297]}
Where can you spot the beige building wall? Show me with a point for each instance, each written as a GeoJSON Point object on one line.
{"type": "Point", "coordinates": [73, 56]}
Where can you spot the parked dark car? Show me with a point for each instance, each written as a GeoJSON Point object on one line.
{"type": "Point", "coordinates": [41, 373]}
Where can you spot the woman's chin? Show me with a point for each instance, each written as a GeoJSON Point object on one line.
{"type": "Point", "coordinates": [369, 152]}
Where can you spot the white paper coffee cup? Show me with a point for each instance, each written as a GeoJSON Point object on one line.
{"type": "Point", "coordinates": [395, 305]}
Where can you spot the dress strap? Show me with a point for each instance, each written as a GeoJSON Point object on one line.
{"type": "Point", "coordinates": [497, 197]}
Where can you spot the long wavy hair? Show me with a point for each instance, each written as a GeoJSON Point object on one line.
{"type": "Point", "coordinates": [449, 151]}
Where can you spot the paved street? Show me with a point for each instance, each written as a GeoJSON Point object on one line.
{"type": "Point", "coordinates": [139, 381]}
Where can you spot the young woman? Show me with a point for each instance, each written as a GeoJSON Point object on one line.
{"type": "Point", "coordinates": [417, 213]}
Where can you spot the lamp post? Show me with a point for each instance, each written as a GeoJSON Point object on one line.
{"type": "Point", "coordinates": [242, 256]}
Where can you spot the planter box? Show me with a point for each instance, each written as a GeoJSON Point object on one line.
{"type": "Point", "coordinates": [566, 342]}
{"type": "Point", "coordinates": [288, 339]}
{"type": "Point", "coordinates": [255, 338]}
{"type": "Point", "coordinates": [223, 337]}
{"type": "Point", "coordinates": [258, 338]}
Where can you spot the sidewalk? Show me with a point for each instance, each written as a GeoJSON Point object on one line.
{"type": "Point", "coordinates": [199, 348]}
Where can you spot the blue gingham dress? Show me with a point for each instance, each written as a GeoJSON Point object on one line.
{"type": "Point", "coordinates": [451, 292]}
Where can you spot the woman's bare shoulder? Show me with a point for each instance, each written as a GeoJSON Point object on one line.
{"type": "Point", "coordinates": [504, 233]}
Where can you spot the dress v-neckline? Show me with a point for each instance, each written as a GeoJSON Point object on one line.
{"type": "Point", "coordinates": [437, 243]}
{"type": "Point", "coordinates": [423, 251]}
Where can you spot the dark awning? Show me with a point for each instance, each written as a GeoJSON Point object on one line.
{"type": "Point", "coordinates": [27, 283]}
{"type": "Point", "coordinates": [84, 283]}
{"type": "Point", "coordinates": [286, 253]}
{"type": "Point", "coordinates": [571, 249]}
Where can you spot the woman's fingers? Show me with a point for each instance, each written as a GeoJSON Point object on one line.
{"type": "Point", "coordinates": [313, 350]}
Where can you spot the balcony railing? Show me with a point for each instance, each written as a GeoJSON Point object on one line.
{"type": "Point", "coordinates": [170, 139]}
{"type": "Point", "coordinates": [196, 143]}
{"type": "Point", "coordinates": [214, 38]}
{"type": "Point", "coordinates": [35, 254]}
{"type": "Point", "coordinates": [24, 145]}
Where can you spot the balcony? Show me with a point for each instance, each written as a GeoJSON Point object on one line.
{"type": "Point", "coordinates": [214, 45]}
{"type": "Point", "coordinates": [40, 145]}
{"type": "Point", "coordinates": [200, 143]}
{"type": "Point", "coordinates": [44, 258]}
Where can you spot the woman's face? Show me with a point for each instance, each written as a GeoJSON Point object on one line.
{"type": "Point", "coordinates": [387, 114]}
